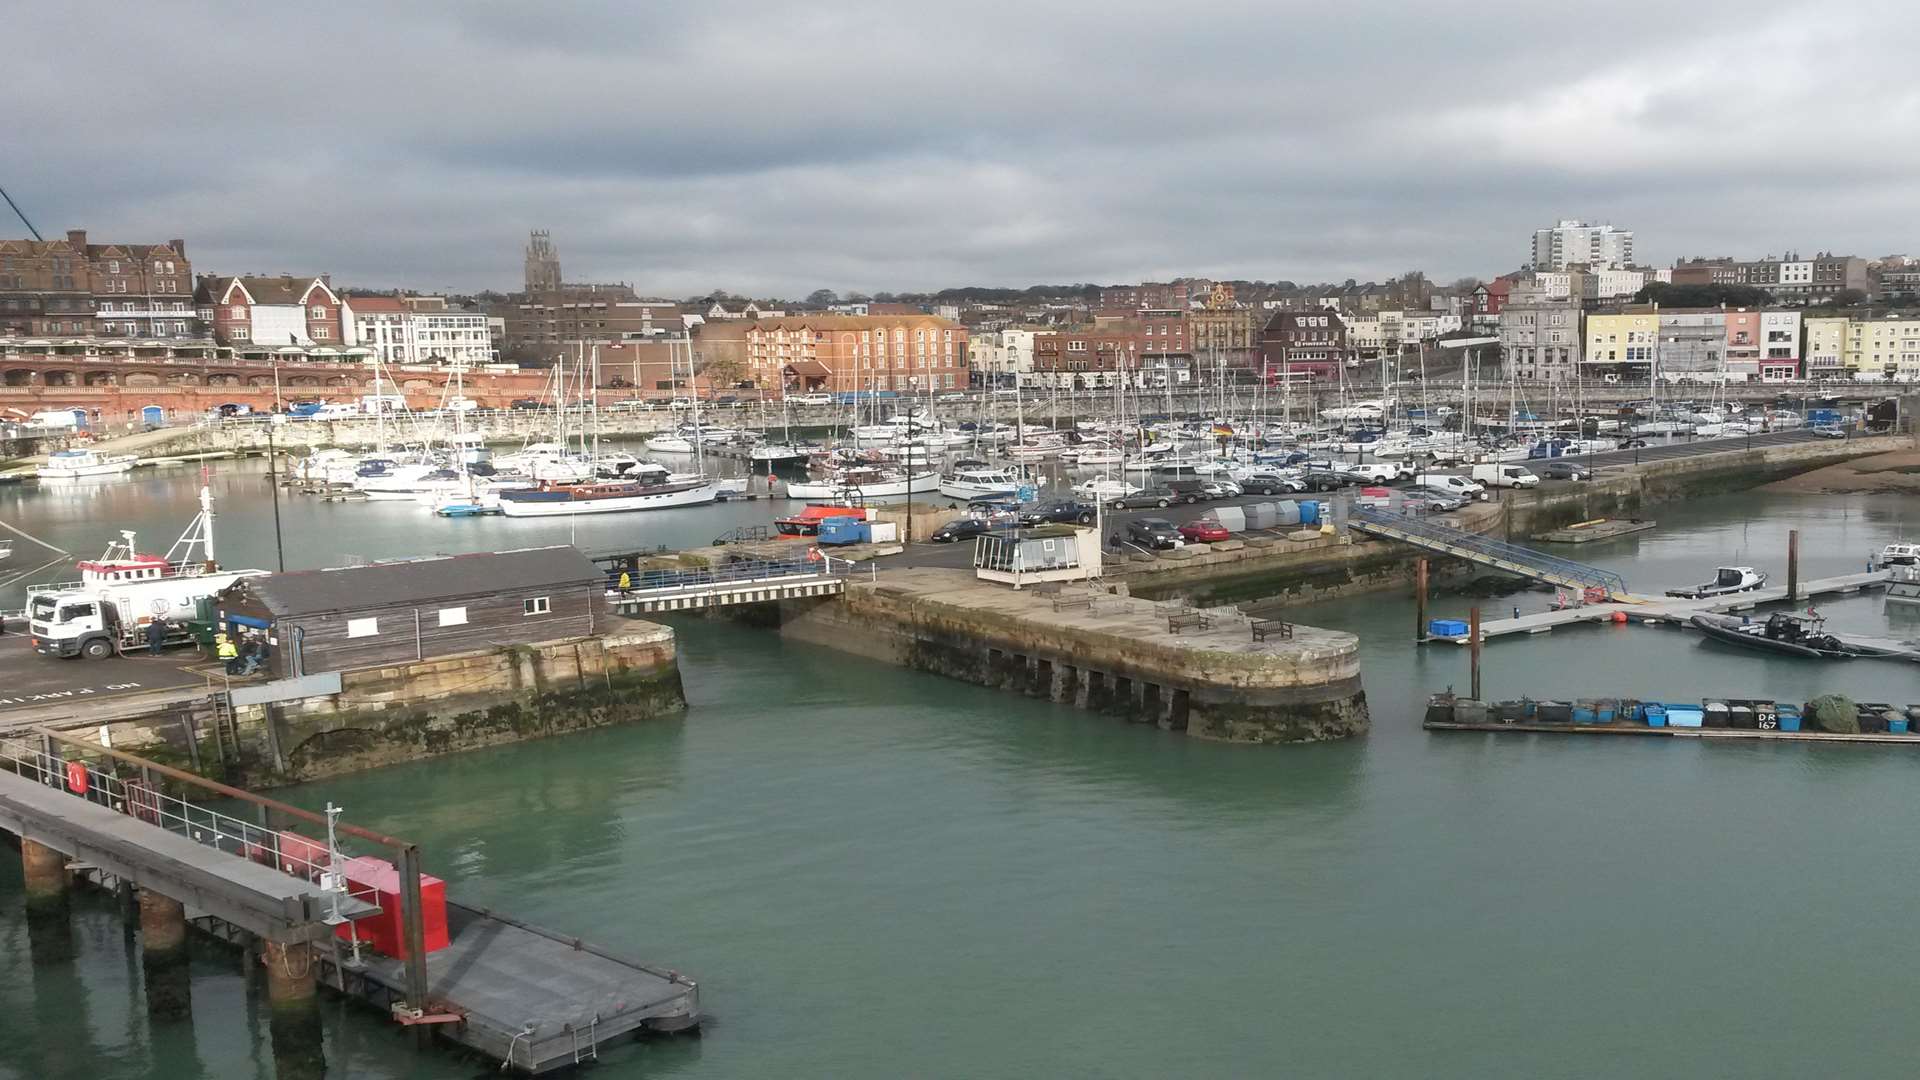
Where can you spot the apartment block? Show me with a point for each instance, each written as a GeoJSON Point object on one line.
{"type": "Point", "coordinates": [1088, 357]}
{"type": "Point", "coordinates": [1569, 242]}
{"type": "Point", "coordinates": [1540, 338]}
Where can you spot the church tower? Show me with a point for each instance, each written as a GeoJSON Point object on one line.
{"type": "Point", "coordinates": [543, 263]}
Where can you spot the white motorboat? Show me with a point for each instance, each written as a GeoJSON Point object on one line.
{"type": "Point", "coordinates": [330, 466]}
{"type": "Point", "coordinates": [1726, 580]}
{"type": "Point", "coordinates": [1094, 454]}
{"type": "Point", "coordinates": [866, 483]}
{"type": "Point", "coordinates": [776, 453]}
{"type": "Point", "coordinates": [975, 483]}
{"type": "Point", "coordinates": [1900, 553]}
{"type": "Point", "coordinates": [1101, 489]}
{"type": "Point", "coordinates": [1903, 584]}
{"type": "Point", "coordinates": [71, 464]}
{"type": "Point", "coordinates": [670, 444]}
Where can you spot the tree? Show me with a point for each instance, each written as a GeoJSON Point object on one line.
{"type": "Point", "coordinates": [822, 298]}
{"type": "Point", "coordinates": [1687, 296]}
{"type": "Point", "coordinates": [1849, 298]}
{"type": "Point", "coordinates": [723, 371]}
{"type": "Point", "coordinates": [1467, 284]}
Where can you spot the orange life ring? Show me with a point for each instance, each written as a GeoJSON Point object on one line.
{"type": "Point", "coordinates": [813, 554]}
{"type": "Point", "coordinates": [77, 777]}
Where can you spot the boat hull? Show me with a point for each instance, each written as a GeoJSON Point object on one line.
{"type": "Point", "coordinates": [698, 495]}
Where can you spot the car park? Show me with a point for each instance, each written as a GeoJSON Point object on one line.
{"type": "Point", "coordinates": [1153, 533]}
{"type": "Point", "coordinates": [1565, 470]}
{"type": "Point", "coordinates": [1059, 513]}
{"type": "Point", "coordinates": [1204, 531]}
{"type": "Point", "coordinates": [1155, 496]}
{"type": "Point", "coordinates": [960, 529]}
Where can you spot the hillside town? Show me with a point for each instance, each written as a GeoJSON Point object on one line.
{"type": "Point", "coordinates": [82, 319]}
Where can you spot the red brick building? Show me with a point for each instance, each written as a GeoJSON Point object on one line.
{"type": "Point", "coordinates": [74, 289]}
{"type": "Point", "coordinates": [1299, 341]}
{"type": "Point", "coordinates": [1086, 357]}
{"type": "Point", "coordinates": [272, 312]}
{"type": "Point", "coordinates": [844, 353]}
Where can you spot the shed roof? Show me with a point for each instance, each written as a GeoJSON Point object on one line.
{"type": "Point", "coordinates": [416, 581]}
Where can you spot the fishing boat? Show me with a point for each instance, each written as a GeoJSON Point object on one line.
{"type": "Point", "coordinates": [552, 499]}
{"type": "Point", "coordinates": [72, 464]}
{"type": "Point", "coordinates": [1726, 580]}
{"type": "Point", "coordinates": [1900, 554]}
{"type": "Point", "coordinates": [807, 521]}
{"type": "Point", "coordinates": [1903, 584]}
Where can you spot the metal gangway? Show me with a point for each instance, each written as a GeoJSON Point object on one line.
{"type": "Point", "coordinates": [1486, 551]}
{"type": "Point", "coordinates": [749, 581]}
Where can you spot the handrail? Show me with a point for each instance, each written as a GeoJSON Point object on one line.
{"type": "Point", "coordinates": [1407, 528]}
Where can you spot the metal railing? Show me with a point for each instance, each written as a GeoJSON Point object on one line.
{"type": "Point", "coordinates": [645, 582]}
{"type": "Point", "coordinates": [1469, 545]}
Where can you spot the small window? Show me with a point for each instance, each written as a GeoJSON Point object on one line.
{"type": "Point", "coordinates": [453, 616]}
{"type": "Point", "coordinates": [363, 627]}
{"type": "Point", "coordinates": [536, 605]}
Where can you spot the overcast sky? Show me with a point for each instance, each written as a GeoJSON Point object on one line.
{"type": "Point", "coordinates": [774, 148]}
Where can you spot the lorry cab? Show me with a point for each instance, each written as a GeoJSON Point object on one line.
{"type": "Point", "coordinates": [70, 626]}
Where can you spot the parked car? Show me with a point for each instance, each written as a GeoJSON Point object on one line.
{"type": "Point", "coordinates": [1153, 533]}
{"type": "Point", "coordinates": [1450, 484]}
{"type": "Point", "coordinates": [1153, 496]}
{"type": "Point", "coordinates": [1221, 488]}
{"type": "Point", "coordinates": [1318, 480]}
{"type": "Point", "coordinates": [960, 529]}
{"type": "Point", "coordinates": [1565, 470]}
{"type": "Point", "coordinates": [1632, 444]}
{"type": "Point", "coordinates": [1829, 431]}
{"type": "Point", "coordinates": [525, 403]}
{"type": "Point", "coordinates": [1066, 511]}
{"type": "Point", "coordinates": [1379, 472]}
{"type": "Point", "coordinates": [1188, 491]}
{"type": "Point", "coordinates": [1431, 502]}
{"type": "Point", "coordinates": [809, 399]}
{"type": "Point", "coordinates": [1203, 531]}
{"type": "Point", "coordinates": [1271, 483]}
{"type": "Point", "coordinates": [952, 395]}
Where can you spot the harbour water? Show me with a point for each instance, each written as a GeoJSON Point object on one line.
{"type": "Point", "coordinates": [876, 873]}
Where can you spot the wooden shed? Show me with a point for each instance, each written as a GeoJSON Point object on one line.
{"type": "Point", "coordinates": [391, 612]}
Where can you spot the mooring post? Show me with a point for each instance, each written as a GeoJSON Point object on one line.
{"type": "Point", "coordinates": [1473, 648]}
{"type": "Point", "coordinates": [413, 927]}
{"type": "Point", "coordinates": [1420, 599]}
{"type": "Point", "coordinates": [1793, 566]}
{"type": "Point", "coordinates": [163, 955]}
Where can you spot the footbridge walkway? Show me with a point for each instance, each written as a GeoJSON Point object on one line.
{"type": "Point", "coordinates": [745, 582]}
{"type": "Point", "coordinates": [1486, 551]}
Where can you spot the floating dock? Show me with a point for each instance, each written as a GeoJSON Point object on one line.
{"type": "Point", "coordinates": [1711, 718]}
{"type": "Point", "coordinates": [1589, 531]}
{"type": "Point", "coordinates": [1668, 610]}
{"type": "Point", "coordinates": [524, 996]}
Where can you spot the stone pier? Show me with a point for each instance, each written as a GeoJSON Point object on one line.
{"type": "Point", "coordinates": [1115, 654]}
{"type": "Point", "coordinates": [49, 930]}
{"type": "Point", "coordinates": [163, 954]}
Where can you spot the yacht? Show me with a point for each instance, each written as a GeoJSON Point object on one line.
{"type": "Point", "coordinates": [776, 453]}
{"type": "Point", "coordinates": [1900, 554]}
{"type": "Point", "coordinates": [653, 489]}
{"type": "Point", "coordinates": [859, 484]}
{"type": "Point", "coordinates": [670, 443]}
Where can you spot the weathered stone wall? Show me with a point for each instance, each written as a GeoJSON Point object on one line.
{"type": "Point", "coordinates": [409, 711]}
{"type": "Point", "coordinates": [1298, 696]}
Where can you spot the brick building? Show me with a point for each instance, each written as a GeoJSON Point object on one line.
{"type": "Point", "coordinates": [1158, 295]}
{"type": "Point", "coordinates": [1088, 357]}
{"type": "Point", "coordinates": [271, 312]}
{"type": "Point", "coordinates": [73, 289]}
{"type": "Point", "coordinates": [842, 353]}
{"type": "Point", "coordinates": [551, 317]}
{"type": "Point", "coordinates": [1295, 341]}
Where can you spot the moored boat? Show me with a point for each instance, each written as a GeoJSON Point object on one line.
{"type": "Point", "coordinates": [551, 499]}
{"type": "Point", "coordinates": [1726, 580]}
{"type": "Point", "coordinates": [70, 464]}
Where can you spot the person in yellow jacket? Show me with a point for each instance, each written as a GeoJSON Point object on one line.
{"type": "Point", "coordinates": [626, 582]}
{"type": "Point", "coordinates": [226, 650]}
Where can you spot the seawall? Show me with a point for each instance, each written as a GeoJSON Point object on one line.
{"type": "Point", "coordinates": [406, 712]}
{"type": "Point", "coordinates": [1103, 651]}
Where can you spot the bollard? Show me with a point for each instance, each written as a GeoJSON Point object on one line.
{"type": "Point", "coordinates": [1793, 565]}
{"type": "Point", "coordinates": [1473, 649]}
{"type": "Point", "coordinates": [46, 876]}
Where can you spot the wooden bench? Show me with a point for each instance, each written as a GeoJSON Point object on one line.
{"type": "Point", "coordinates": [1184, 619]}
{"type": "Point", "coordinates": [1064, 603]}
{"type": "Point", "coordinates": [1266, 628]}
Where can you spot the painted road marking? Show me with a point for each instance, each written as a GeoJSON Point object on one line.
{"type": "Point", "coordinates": [56, 695]}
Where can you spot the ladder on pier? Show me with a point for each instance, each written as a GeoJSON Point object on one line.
{"type": "Point", "coordinates": [1486, 551]}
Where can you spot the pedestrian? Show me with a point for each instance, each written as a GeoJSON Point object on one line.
{"type": "Point", "coordinates": [626, 582]}
{"type": "Point", "coordinates": [1869, 562]}
{"type": "Point", "coordinates": [227, 652]}
{"type": "Point", "coordinates": [156, 635]}
{"type": "Point", "coordinates": [1516, 611]}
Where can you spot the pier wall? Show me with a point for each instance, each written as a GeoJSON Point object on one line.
{"type": "Point", "coordinates": [406, 712]}
{"type": "Point", "coordinates": [1305, 691]}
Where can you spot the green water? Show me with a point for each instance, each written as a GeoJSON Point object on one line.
{"type": "Point", "coordinates": [875, 873]}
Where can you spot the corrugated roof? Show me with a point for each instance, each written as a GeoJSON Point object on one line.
{"type": "Point", "coordinates": [417, 581]}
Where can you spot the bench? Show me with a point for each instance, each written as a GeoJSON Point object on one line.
{"type": "Point", "coordinates": [1266, 628]}
{"type": "Point", "coordinates": [1176, 623]}
{"type": "Point", "coordinates": [1064, 603]}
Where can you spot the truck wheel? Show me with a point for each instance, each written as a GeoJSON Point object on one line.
{"type": "Point", "coordinates": [97, 649]}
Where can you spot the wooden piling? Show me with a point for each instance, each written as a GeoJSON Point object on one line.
{"type": "Point", "coordinates": [1420, 599]}
{"type": "Point", "coordinates": [1793, 566]}
{"type": "Point", "coordinates": [1473, 649]}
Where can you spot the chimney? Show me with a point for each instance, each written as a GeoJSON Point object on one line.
{"type": "Point", "coordinates": [77, 239]}
{"type": "Point", "coordinates": [179, 247]}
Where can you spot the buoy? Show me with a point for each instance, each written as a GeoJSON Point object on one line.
{"type": "Point", "coordinates": [77, 777]}
{"type": "Point", "coordinates": [1620, 617]}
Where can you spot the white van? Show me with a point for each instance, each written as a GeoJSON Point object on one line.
{"type": "Point", "coordinates": [1505, 474]}
{"type": "Point", "coordinates": [1451, 484]}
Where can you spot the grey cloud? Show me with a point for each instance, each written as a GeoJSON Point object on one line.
{"type": "Point", "coordinates": [773, 148]}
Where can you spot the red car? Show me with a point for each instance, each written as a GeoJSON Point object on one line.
{"type": "Point", "coordinates": [1204, 532]}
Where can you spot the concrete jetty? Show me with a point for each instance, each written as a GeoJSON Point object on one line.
{"type": "Point", "coordinates": [1211, 672]}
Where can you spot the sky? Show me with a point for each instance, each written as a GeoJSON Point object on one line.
{"type": "Point", "coordinates": [770, 149]}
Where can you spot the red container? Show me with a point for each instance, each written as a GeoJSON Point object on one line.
{"type": "Point", "coordinates": [377, 882]}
